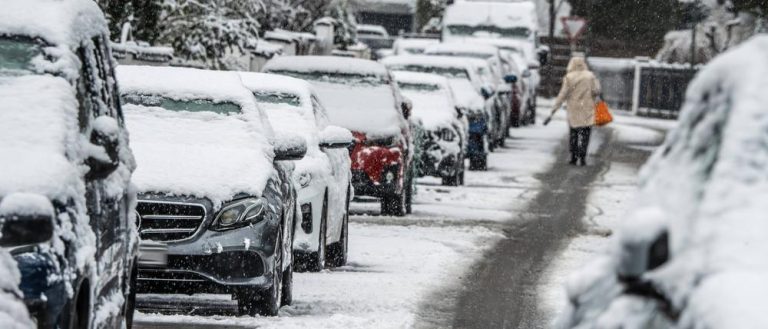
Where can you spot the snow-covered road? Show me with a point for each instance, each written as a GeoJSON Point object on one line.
{"type": "Point", "coordinates": [398, 267]}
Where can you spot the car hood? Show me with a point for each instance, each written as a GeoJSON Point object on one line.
{"type": "Point", "coordinates": [40, 144]}
{"type": "Point", "coordinates": [433, 109]}
{"type": "Point", "coordinates": [467, 96]}
{"type": "Point", "coordinates": [203, 155]}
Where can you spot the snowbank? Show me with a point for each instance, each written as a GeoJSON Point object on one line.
{"type": "Point", "coordinates": [705, 186]}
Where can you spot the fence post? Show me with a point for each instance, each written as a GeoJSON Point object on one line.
{"type": "Point", "coordinates": [636, 87]}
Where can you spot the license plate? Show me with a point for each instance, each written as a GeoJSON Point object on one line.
{"type": "Point", "coordinates": [153, 254]}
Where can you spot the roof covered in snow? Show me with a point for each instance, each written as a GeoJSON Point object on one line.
{"type": "Point", "coordinates": [462, 48]}
{"type": "Point", "coordinates": [412, 46]}
{"type": "Point", "coordinates": [434, 61]}
{"type": "Point", "coordinates": [327, 64]}
{"type": "Point", "coordinates": [501, 14]}
{"type": "Point", "coordinates": [55, 21]}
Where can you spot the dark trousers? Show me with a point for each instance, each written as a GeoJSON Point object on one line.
{"type": "Point", "coordinates": [580, 142]}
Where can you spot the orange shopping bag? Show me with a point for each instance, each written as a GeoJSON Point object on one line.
{"type": "Point", "coordinates": [602, 113]}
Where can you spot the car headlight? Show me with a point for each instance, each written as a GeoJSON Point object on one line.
{"type": "Point", "coordinates": [445, 134]}
{"type": "Point", "coordinates": [240, 213]}
{"type": "Point", "coordinates": [305, 179]}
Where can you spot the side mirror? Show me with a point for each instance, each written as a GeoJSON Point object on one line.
{"type": "Point", "coordinates": [22, 225]}
{"type": "Point", "coordinates": [510, 78]}
{"type": "Point", "coordinates": [333, 137]}
{"type": "Point", "coordinates": [103, 152]}
{"type": "Point", "coordinates": [486, 92]}
{"type": "Point", "coordinates": [406, 106]}
{"type": "Point", "coordinates": [290, 148]}
{"type": "Point", "coordinates": [459, 113]}
{"type": "Point", "coordinates": [647, 250]}
{"type": "Point", "coordinates": [527, 74]}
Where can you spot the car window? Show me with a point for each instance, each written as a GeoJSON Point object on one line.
{"type": "Point", "coordinates": [321, 117]}
{"type": "Point", "coordinates": [17, 55]}
{"type": "Point", "coordinates": [85, 95]}
{"type": "Point", "coordinates": [272, 97]}
{"type": "Point", "coordinates": [106, 74]}
{"type": "Point", "coordinates": [186, 105]}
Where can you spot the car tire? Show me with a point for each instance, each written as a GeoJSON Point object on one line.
{"type": "Point", "coordinates": [316, 261]}
{"type": "Point", "coordinates": [394, 204]}
{"type": "Point", "coordinates": [130, 300]}
{"type": "Point", "coordinates": [409, 197]}
{"type": "Point", "coordinates": [252, 301]}
{"type": "Point", "coordinates": [77, 311]}
{"type": "Point", "coordinates": [287, 287]}
{"type": "Point", "coordinates": [478, 162]}
{"type": "Point", "coordinates": [337, 252]}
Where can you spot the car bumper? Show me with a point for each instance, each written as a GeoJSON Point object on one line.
{"type": "Point", "coordinates": [364, 186]}
{"type": "Point", "coordinates": [213, 261]}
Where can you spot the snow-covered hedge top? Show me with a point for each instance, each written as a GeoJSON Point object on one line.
{"type": "Point", "coordinates": [462, 48]}
{"type": "Point", "coordinates": [55, 21]}
{"type": "Point", "coordinates": [39, 133]}
{"type": "Point", "coordinates": [329, 64]}
{"type": "Point", "coordinates": [434, 104]}
{"type": "Point", "coordinates": [267, 82]}
{"type": "Point", "coordinates": [501, 14]}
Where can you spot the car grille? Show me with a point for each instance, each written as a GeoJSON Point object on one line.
{"type": "Point", "coordinates": [169, 221]}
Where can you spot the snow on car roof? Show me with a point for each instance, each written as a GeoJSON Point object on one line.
{"type": "Point", "coordinates": [434, 61]}
{"type": "Point", "coordinates": [185, 83]}
{"type": "Point", "coordinates": [330, 64]}
{"type": "Point", "coordinates": [501, 14]}
{"type": "Point", "coordinates": [55, 21]}
{"type": "Point", "coordinates": [38, 162]}
{"type": "Point", "coordinates": [462, 47]}
{"type": "Point", "coordinates": [279, 83]}
{"type": "Point", "coordinates": [421, 78]}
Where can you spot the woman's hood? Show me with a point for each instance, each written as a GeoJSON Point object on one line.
{"type": "Point", "coordinates": [577, 64]}
{"type": "Point", "coordinates": [204, 155]}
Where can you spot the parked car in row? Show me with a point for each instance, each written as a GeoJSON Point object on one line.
{"type": "Point", "coordinates": [213, 184]}
{"type": "Point", "coordinates": [471, 97]}
{"type": "Point", "coordinates": [361, 96]}
{"type": "Point", "coordinates": [322, 176]}
{"type": "Point", "coordinates": [66, 206]}
{"type": "Point", "coordinates": [446, 126]}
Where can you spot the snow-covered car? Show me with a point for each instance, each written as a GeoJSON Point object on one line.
{"type": "Point", "coordinates": [360, 95]}
{"type": "Point", "coordinates": [692, 252]}
{"type": "Point", "coordinates": [13, 312]}
{"type": "Point", "coordinates": [212, 186]}
{"type": "Point", "coordinates": [374, 36]}
{"type": "Point", "coordinates": [446, 127]}
{"type": "Point", "coordinates": [467, 86]}
{"type": "Point", "coordinates": [511, 26]}
{"type": "Point", "coordinates": [323, 176]}
{"type": "Point", "coordinates": [412, 46]}
{"type": "Point", "coordinates": [501, 79]}
{"type": "Point", "coordinates": [66, 206]}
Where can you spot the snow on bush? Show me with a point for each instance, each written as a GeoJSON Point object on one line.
{"type": "Point", "coordinates": [705, 186]}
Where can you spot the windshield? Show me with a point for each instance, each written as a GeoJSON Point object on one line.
{"type": "Point", "coordinates": [266, 97]}
{"type": "Point", "coordinates": [192, 105]}
{"type": "Point", "coordinates": [420, 87]}
{"type": "Point", "coordinates": [487, 30]}
{"type": "Point", "coordinates": [447, 72]}
{"type": "Point", "coordinates": [462, 54]}
{"type": "Point", "coordinates": [336, 77]}
{"type": "Point", "coordinates": [17, 56]}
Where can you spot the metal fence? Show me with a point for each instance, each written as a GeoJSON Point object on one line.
{"type": "Point", "coordinates": [661, 91]}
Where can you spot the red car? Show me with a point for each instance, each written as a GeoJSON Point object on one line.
{"type": "Point", "coordinates": [360, 95]}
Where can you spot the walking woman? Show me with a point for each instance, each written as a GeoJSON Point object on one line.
{"type": "Point", "coordinates": [579, 91]}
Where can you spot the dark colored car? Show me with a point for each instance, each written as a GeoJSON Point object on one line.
{"type": "Point", "coordinates": [66, 206]}
{"type": "Point", "coordinates": [212, 186]}
{"type": "Point", "coordinates": [360, 95]}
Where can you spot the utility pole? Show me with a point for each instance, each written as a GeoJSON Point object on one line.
{"type": "Point", "coordinates": [552, 18]}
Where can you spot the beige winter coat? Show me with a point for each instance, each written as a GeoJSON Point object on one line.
{"type": "Point", "coordinates": [580, 88]}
